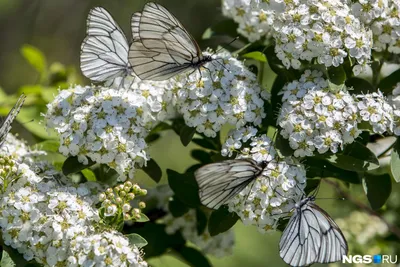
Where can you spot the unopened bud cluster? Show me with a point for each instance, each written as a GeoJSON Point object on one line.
{"type": "Point", "coordinates": [116, 202]}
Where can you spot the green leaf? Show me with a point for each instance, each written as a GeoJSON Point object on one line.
{"type": "Point", "coordinates": [201, 156]}
{"type": "Point", "coordinates": [162, 126]}
{"type": "Point", "coordinates": [186, 134]}
{"type": "Point", "coordinates": [136, 240]}
{"type": "Point", "coordinates": [158, 240]}
{"type": "Point", "coordinates": [312, 184]}
{"type": "Point", "coordinates": [176, 207]}
{"type": "Point", "coordinates": [143, 218]}
{"type": "Point", "coordinates": [359, 86]}
{"type": "Point", "coordinates": [282, 145]}
{"type": "Point", "coordinates": [72, 165]}
{"type": "Point", "coordinates": [89, 175]}
{"type": "Point", "coordinates": [377, 189]}
{"type": "Point", "coordinates": [193, 257]}
{"type": "Point", "coordinates": [276, 65]}
{"type": "Point", "coordinates": [221, 220]}
{"type": "Point", "coordinates": [193, 168]}
{"type": "Point", "coordinates": [256, 56]}
{"type": "Point", "coordinates": [395, 161]}
{"type": "Point", "coordinates": [319, 167]}
{"type": "Point", "coordinates": [153, 170]}
{"type": "Point", "coordinates": [34, 57]}
{"type": "Point", "coordinates": [206, 143]}
{"type": "Point", "coordinates": [201, 220]}
{"type": "Point", "coordinates": [276, 100]}
{"type": "Point", "coordinates": [48, 145]}
{"type": "Point", "coordinates": [185, 187]}
{"type": "Point", "coordinates": [6, 260]}
{"type": "Point", "coordinates": [16, 258]}
{"type": "Point", "coordinates": [355, 157]}
{"type": "Point", "coordinates": [152, 138]}
{"type": "Point", "coordinates": [337, 75]}
{"type": "Point", "coordinates": [387, 84]}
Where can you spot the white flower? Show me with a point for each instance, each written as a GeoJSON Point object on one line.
{"type": "Point", "coordinates": [375, 109]}
{"type": "Point", "coordinates": [312, 117]}
{"type": "Point", "coordinates": [224, 92]}
{"type": "Point", "coordinates": [107, 125]}
{"type": "Point", "coordinates": [323, 30]}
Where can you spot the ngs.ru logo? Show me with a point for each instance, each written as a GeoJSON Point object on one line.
{"type": "Point", "coordinates": [377, 259]}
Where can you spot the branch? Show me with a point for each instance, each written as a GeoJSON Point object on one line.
{"type": "Point", "coordinates": [392, 228]}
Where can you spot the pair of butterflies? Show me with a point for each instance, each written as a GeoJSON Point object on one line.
{"type": "Point", "coordinates": [160, 49]}
{"type": "Point", "coordinates": [310, 236]}
{"type": "Point", "coordinates": [5, 125]}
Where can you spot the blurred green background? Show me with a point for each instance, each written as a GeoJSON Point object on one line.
{"type": "Point", "coordinates": [57, 28]}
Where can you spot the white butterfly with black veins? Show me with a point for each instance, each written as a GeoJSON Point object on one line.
{"type": "Point", "coordinates": [5, 126]}
{"type": "Point", "coordinates": [104, 51]}
{"type": "Point", "coordinates": [220, 182]}
{"type": "Point", "coordinates": [162, 48]}
{"type": "Point", "coordinates": [311, 236]}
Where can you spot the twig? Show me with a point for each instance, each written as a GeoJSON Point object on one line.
{"type": "Point", "coordinates": [392, 228]}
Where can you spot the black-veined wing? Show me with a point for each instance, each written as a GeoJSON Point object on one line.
{"type": "Point", "coordinates": [311, 236]}
{"type": "Point", "coordinates": [6, 123]}
{"type": "Point", "coordinates": [151, 64]}
{"type": "Point", "coordinates": [157, 30]}
{"type": "Point", "coordinates": [220, 182]}
{"type": "Point", "coordinates": [104, 51]}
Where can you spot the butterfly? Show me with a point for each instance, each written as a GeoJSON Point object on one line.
{"type": "Point", "coordinates": [5, 126]}
{"type": "Point", "coordinates": [311, 236]}
{"type": "Point", "coordinates": [162, 48]}
{"type": "Point", "coordinates": [219, 182]}
{"type": "Point", "coordinates": [104, 51]}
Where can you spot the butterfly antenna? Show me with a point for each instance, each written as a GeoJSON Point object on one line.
{"type": "Point", "coordinates": [235, 39]}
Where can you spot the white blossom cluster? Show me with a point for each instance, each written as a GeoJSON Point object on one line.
{"type": "Point", "coordinates": [255, 17]}
{"type": "Point", "coordinates": [394, 101]}
{"type": "Point", "coordinates": [45, 221]}
{"type": "Point", "coordinates": [362, 227]}
{"type": "Point", "coordinates": [224, 92]}
{"type": "Point", "coordinates": [273, 193]}
{"type": "Point", "coordinates": [375, 109]}
{"type": "Point", "coordinates": [219, 246]}
{"type": "Point", "coordinates": [313, 117]}
{"type": "Point", "coordinates": [324, 30]}
{"type": "Point", "coordinates": [383, 17]}
{"type": "Point", "coordinates": [107, 125]}
{"type": "Point", "coordinates": [19, 149]}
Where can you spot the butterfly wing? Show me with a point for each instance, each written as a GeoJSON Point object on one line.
{"type": "Point", "coordinates": [6, 124]}
{"type": "Point", "coordinates": [311, 236]}
{"type": "Point", "coordinates": [104, 51]}
{"type": "Point", "coordinates": [219, 182]}
{"type": "Point", "coordinates": [156, 65]}
{"type": "Point", "coordinates": [158, 33]}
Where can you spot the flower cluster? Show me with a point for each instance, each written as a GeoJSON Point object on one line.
{"type": "Point", "coordinates": [394, 101]}
{"type": "Point", "coordinates": [45, 221]}
{"type": "Point", "coordinates": [383, 17]}
{"type": "Point", "coordinates": [108, 126]}
{"type": "Point", "coordinates": [115, 202]}
{"type": "Point", "coordinates": [275, 191]}
{"type": "Point", "coordinates": [255, 18]}
{"type": "Point", "coordinates": [219, 245]}
{"type": "Point", "coordinates": [374, 109]}
{"type": "Point", "coordinates": [324, 30]}
{"type": "Point", "coordinates": [362, 227]}
{"type": "Point", "coordinates": [224, 92]}
{"type": "Point", "coordinates": [313, 117]}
